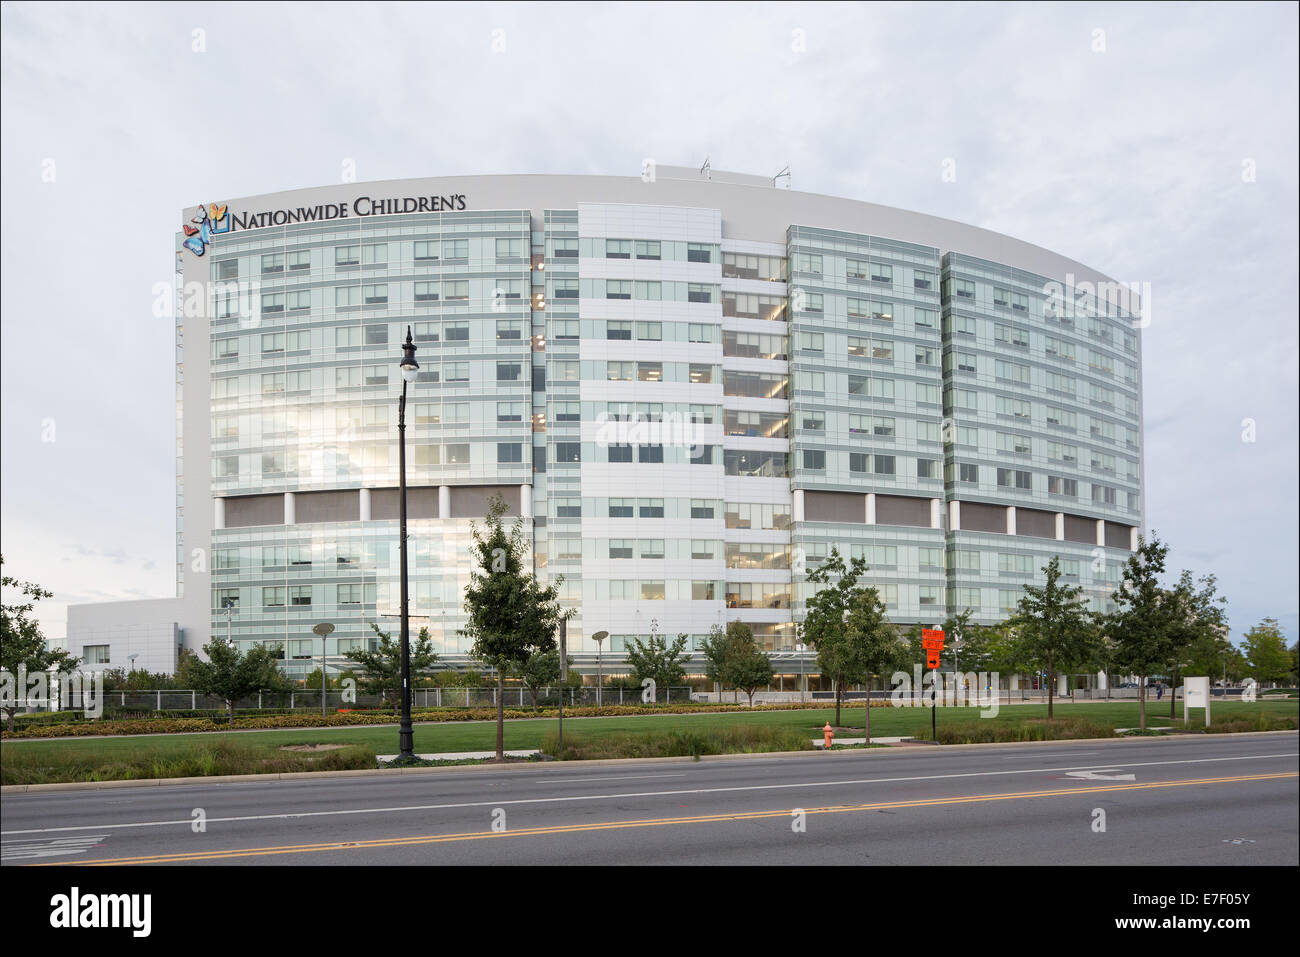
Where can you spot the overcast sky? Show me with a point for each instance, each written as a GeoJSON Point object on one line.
{"type": "Point", "coordinates": [1156, 143]}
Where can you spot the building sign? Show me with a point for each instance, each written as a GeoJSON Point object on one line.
{"type": "Point", "coordinates": [214, 218]}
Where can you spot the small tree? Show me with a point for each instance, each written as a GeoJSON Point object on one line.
{"type": "Point", "coordinates": [230, 675]}
{"type": "Point", "coordinates": [658, 660]}
{"type": "Point", "coordinates": [977, 642]}
{"type": "Point", "coordinates": [1145, 626]}
{"type": "Point", "coordinates": [1266, 653]}
{"type": "Point", "coordinates": [716, 651]}
{"type": "Point", "coordinates": [381, 669]}
{"type": "Point", "coordinates": [824, 622]}
{"type": "Point", "coordinates": [1053, 627]}
{"type": "Point", "coordinates": [747, 667]}
{"type": "Point", "coordinates": [1199, 619]}
{"type": "Point", "coordinates": [541, 670]}
{"type": "Point", "coordinates": [872, 640]}
{"type": "Point", "coordinates": [510, 616]}
{"type": "Point", "coordinates": [23, 645]}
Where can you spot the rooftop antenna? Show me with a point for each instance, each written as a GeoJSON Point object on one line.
{"type": "Point", "coordinates": [784, 173]}
{"type": "Point", "coordinates": [704, 170]}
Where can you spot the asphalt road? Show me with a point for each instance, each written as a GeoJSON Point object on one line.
{"type": "Point", "coordinates": [1214, 800]}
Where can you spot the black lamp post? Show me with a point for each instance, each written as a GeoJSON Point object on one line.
{"type": "Point", "coordinates": [410, 368]}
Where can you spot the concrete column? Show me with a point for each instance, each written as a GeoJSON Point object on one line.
{"type": "Point", "coordinates": [936, 513]}
{"type": "Point", "coordinates": [1013, 683]}
{"type": "Point", "coordinates": [218, 514]}
{"type": "Point", "coordinates": [796, 504]}
{"type": "Point", "coordinates": [365, 504]}
{"type": "Point", "coordinates": [871, 508]}
{"type": "Point", "coordinates": [1061, 690]}
{"type": "Point", "coordinates": [1011, 520]}
{"type": "Point", "coordinates": [290, 514]}
{"type": "Point", "coordinates": [1133, 539]}
{"type": "Point", "coordinates": [1060, 526]}
{"type": "Point", "coordinates": [1101, 532]}
{"type": "Point", "coordinates": [526, 501]}
{"type": "Point", "coordinates": [954, 516]}
{"type": "Point", "coordinates": [444, 501]}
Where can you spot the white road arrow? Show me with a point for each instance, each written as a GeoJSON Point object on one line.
{"type": "Point", "coordinates": [1107, 775]}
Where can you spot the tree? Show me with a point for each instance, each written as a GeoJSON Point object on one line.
{"type": "Point", "coordinates": [716, 650]}
{"type": "Point", "coordinates": [381, 668]}
{"type": "Point", "coordinates": [541, 670]}
{"type": "Point", "coordinates": [746, 666]}
{"type": "Point", "coordinates": [22, 646]}
{"type": "Point", "coordinates": [872, 640]}
{"type": "Point", "coordinates": [1199, 619]}
{"type": "Point", "coordinates": [451, 678]}
{"type": "Point", "coordinates": [657, 660]}
{"type": "Point", "coordinates": [824, 621]}
{"type": "Point", "coordinates": [1053, 627]}
{"type": "Point", "coordinates": [510, 615]}
{"type": "Point", "coordinates": [733, 654]}
{"type": "Point", "coordinates": [230, 675]}
{"type": "Point", "coordinates": [1267, 658]}
{"type": "Point", "coordinates": [1145, 625]}
{"type": "Point", "coordinates": [976, 642]}
{"type": "Point", "coordinates": [1210, 655]}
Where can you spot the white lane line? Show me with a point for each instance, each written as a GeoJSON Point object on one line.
{"type": "Point", "coordinates": [61, 846]}
{"type": "Point", "coordinates": [621, 777]}
{"type": "Point", "coordinates": [636, 794]}
{"type": "Point", "coordinates": [1054, 754]}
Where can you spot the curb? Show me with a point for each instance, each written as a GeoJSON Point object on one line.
{"type": "Point", "coordinates": [603, 762]}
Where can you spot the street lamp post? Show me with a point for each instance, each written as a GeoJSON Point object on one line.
{"type": "Point", "coordinates": [410, 368]}
{"type": "Point", "coordinates": [324, 629]}
{"type": "Point", "coordinates": [599, 637]}
{"type": "Point", "coordinates": [228, 609]}
{"type": "Point", "coordinates": [804, 688]}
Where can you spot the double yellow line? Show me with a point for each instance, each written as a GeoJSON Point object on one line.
{"type": "Point", "coordinates": [192, 856]}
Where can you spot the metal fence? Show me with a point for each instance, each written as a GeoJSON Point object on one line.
{"type": "Point", "coordinates": [142, 702]}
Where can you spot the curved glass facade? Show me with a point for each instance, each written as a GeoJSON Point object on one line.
{"type": "Point", "coordinates": [689, 390]}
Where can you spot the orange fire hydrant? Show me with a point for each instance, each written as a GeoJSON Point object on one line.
{"type": "Point", "coordinates": [828, 735]}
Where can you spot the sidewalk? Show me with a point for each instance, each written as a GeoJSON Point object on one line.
{"type": "Point", "coordinates": [819, 742]}
{"type": "Point", "coordinates": [463, 755]}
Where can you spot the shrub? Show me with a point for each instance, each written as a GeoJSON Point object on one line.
{"type": "Point", "coordinates": [669, 744]}
{"type": "Point", "coordinates": [1058, 729]}
{"type": "Point", "coordinates": [1264, 721]}
{"type": "Point", "coordinates": [199, 760]}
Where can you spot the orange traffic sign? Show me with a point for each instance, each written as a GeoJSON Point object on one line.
{"type": "Point", "coordinates": [932, 659]}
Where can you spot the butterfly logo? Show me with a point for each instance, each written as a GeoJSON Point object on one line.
{"type": "Point", "coordinates": [199, 231]}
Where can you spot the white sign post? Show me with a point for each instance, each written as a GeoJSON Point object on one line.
{"type": "Point", "coordinates": [1196, 694]}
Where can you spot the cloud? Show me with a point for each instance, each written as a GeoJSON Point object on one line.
{"type": "Point", "coordinates": [1130, 160]}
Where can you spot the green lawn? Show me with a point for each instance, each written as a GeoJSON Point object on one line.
{"type": "Point", "coordinates": [527, 733]}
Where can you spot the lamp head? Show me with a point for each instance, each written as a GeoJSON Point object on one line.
{"type": "Point", "coordinates": [410, 368]}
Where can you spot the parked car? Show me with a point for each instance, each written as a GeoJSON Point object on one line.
{"type": "Point", "coordinates": [1127, 684]}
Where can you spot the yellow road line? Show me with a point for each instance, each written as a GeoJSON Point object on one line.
{"type": "Point", "coordinates": [191, 856]}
